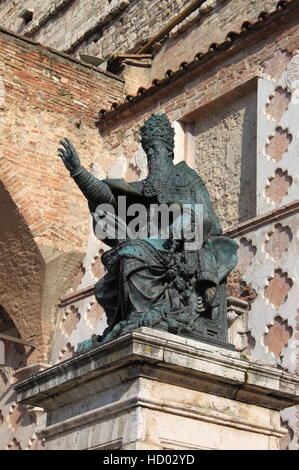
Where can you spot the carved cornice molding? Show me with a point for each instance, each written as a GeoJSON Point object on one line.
{"type": "Point", "coordinates": [262, 220]}
{"type": "Point", "coordinates": [168, 358]}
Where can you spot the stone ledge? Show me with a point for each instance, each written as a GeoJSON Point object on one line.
{"type": "Point", "coordinates": [187, 411]}
{"type": "Point", "coordinates": [26, 372]}
{"type": "Point", "coordinates": [169, 359]}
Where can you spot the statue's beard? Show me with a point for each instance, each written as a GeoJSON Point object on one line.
{"type": "Point", "coordinates": [157, 174]}
{"type": "Point", "coordinates": [157, 170]}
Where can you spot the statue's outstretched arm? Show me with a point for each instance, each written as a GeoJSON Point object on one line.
{"type": "Point", "coordinates": [95, 191]}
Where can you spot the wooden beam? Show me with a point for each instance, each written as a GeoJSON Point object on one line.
{"type": "Point", "coordinates": [176, 20]}
{"type": "Point", "coordinates": [16, 340]}
{"type": "Point", "coordinates": [133, 56]}
{"type": "Point", "coordinates": [137, 64]}
{"type": "Point", "coordinates": [76, 296]}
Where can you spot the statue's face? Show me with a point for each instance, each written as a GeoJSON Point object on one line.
{"type": "Point", "coordinates": [157, 150]}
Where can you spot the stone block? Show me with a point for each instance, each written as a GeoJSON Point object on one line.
{"type": "Point", "coordinates": [154, 390]}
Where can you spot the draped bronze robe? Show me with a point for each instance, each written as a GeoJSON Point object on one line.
{"type": "Point", "coordinates": [136, 277]}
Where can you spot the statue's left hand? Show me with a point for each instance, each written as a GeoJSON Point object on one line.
{"type": "Point", "coordinates": [69, 155]}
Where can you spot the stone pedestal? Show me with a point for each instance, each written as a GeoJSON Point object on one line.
{"type": "Point", "coordinates": [154, 390]}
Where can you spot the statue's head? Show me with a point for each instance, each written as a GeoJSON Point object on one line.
{"type": "Point", "coordinates": [157, 136]}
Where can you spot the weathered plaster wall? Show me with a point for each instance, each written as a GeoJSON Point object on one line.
{"type": "Point", "coordinates": [225, 146]}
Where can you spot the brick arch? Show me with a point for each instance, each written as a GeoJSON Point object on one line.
{"type": "Point", "coordinates": [18, 190]}
{"type": "Point", "coordinates": [37, 203]}
{"type": "Point", "coordinates": [40, 259]}
{"type": "Point", "coordinates": [21, 270]}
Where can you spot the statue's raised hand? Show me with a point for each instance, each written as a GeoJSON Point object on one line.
{"type": "Point", "coordinates": [69, 155]}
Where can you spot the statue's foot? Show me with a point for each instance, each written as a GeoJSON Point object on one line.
{"type": "Point", "coordinates": [114, 333]}
{"type": "Point", "coordinates": [120, 328]}
{"type": "Point", "coordinates": [150, 318]}
{"type": "Point", "coordinates": [172, 326]}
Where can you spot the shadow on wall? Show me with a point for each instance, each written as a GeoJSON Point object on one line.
{"type": "Point", "coordinates": [21, 271]}
{"type": "Point", "coordinates": [247, 199]}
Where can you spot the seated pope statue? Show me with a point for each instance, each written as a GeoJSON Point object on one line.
{"type": "Point", "coordinates": [162, 281]}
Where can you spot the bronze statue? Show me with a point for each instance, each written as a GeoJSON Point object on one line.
{"type": "Point", "coordinates": [157, 281]}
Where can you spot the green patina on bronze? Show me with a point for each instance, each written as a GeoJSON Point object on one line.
{"type": "Point", "coordinates": [156, 282]}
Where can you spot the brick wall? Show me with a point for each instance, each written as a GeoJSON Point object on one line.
{"type": "Point", "coordinates": [44, 97]}
{"type": "Point", "coordinates": [47, 97]}
{"type": "Point", "coordinates": [110, 27]}
{"type": "Point", "coordinates": [44, 221]}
